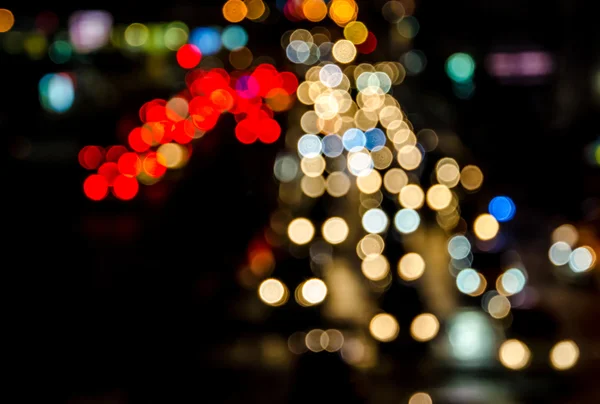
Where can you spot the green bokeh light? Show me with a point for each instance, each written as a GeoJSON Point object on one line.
{"type": "Point", "coordinates": [460, 67]}
{"type": "Point", "coordinates": [60, 52]}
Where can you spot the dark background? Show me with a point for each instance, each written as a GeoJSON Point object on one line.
{"type": "Point", "coordinates": [136, 302]}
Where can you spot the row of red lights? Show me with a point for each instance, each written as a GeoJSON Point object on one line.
{"type": "Point", "coordinates": [209, 94]}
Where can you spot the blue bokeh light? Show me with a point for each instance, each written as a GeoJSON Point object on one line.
{"type": "Point", "coordinates": [354, 139]}
{"type": "Point", "coordinates": [375, 139]}
{"type": "Point", "coordinates": [309, 146]}
{"type": "Point", "coordinates": [502, 208]}
{"type": "Point", "coordinates": [57, 92]}
{"type": "Point", "coordinates": [332, 145]}
{"type": "Point", "coordinates": [207, 39]}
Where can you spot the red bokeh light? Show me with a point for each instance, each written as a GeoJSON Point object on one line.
{"type": "Point", "coordinates": [148, 111]}
{"type": "Point", "coordinates": [267, 78]}
{"type": "Point", "coordinates": [289, 82]}
{"type": "Point", "coordinates": [180, 135]}
{"type": "Point", "coordinates": [130, 164]}
{"type": "Point", "coordinates": [246, 130]}
{"type": "Point", "coordinates": [269, 131]}
{"type": "Point", "coordinates": [369, 45]}
{"type": "Point", "coordinates": [156, 112]}
{"type": "Point", "coordinates": [90, 157]}
{"type": "Point", "coordinates": [188, 56]}
{"type": "Point", "coordinates": [136, 141]}
{"type": "Point", "coordinates": [125, 188]}
{"type": "Point", "coordinates": [109, 171]}
{"type": "Point", "coordinates": [114, 152]}
{"type": "Point", "coordinates": [95, 187]}
{"type": "Point", "coordinates": [46, 22]}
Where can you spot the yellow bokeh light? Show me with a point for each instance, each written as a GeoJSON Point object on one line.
{"type": "Point", "coordinates": [498, 306]}
{"type": "Point", "coordinates": [302, 35]}
{"type": "Point", "coordinates": [424, 327]}
{"type": "Point", "coordinates": [172, 155]}
{"type": "Point", "coordinates": [314, 291]}
{"type": "Point", "coordinates": [256, 9]}
{"type": "Point", "coordinates": [313, 166]}
{"type": "Point", "coordinates": [332, 340]}
{"type": "Point", "coordinates": [136, 34]}
{"type": "Point", "coordinates": [447, 172]}
{"type": "Point", "coordinates": [486, 227]}
{"type": "Point", "coordinates": [313, 340]}
{"type": "Point", "coordinates": [273, 292]}
{"type": "Point", "coordinates": [370, 183]}
{"type": "Point", "coordinates": [564, 355]}
{"type": "Point", "coordinates": [389, 114]}
{"type": "Point", "coordinates": [384, 327]}
{"type": "Point", "coordinates": [412, 196]}
{"type": "Point", "coordinates": [409, 157]}
{"type": "Point", "coordinates": [394, 180]}
{"type": "Point", "coordinates": [400, 134]}
{"type": "Point", "coordinates": [314, 10]}
{"type": "Point", "coordinates": [177, 109]}
{"type": "Point", "coordinates": [35, 45]}
{"type": "Point", "coordinates": [335, 230]}
{"type": "Point", "coordinates": [356, 32]}
{"type": "Point", "coordinates": [382, 158]}
{"type": "Point", "coordinates": [375, 267]}
{"type": "Point", "coordinates": [439, 197]}
{"type": "Point", "coordinates": [338, 184]}
{"type": "Point", "coordinates": [420, 397]}
{"type": "Point", "coordinates": [365, 120]}
{"type": "Point", "coordinates": [301, 231]}
{"type": "Point", "coordinates": [566, 233]}
{"type": "Point", "coordinates": [411, 266]}
{"type": "Point", "coordinates": [235, 10]}
{"type": "Point", "coordinates": [514, 354]}
{"type": "Point", "coordinates": [370, 245]}
{"type": "Point", "coordinates": [7, 20]}
{"type": "Point", "coordinates": [344, 51]}
{"type": "Point", "coordinates": [343, 11]}
{"type": "Point", "coordinates": [313, 187]}
{"type": "Point", "coordinates": [471, 178]}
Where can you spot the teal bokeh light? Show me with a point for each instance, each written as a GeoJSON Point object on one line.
{"type": "Point", "coordinates": [460, 67]}
{"type": "Point", "coordinates": [234, 37]}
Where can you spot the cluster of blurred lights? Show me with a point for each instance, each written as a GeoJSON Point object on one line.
{"type": "Point", "coordinates": [238, 10]}
{"type": "Point", "coordinates": [516, 355]}
{"type": "Point", "coordinates": [564, 252]}
{"type": "Point", "coordinates": [353, 136]}
{"type": "Point", "coordinates": [356, 134]}
{"type": "Point", "coordinates": [341, 12]}
{"type": "Point", "coordinates": [309, 293]}
{"type": "Point", "coordinates": [168, 126]}
{"type": "Point", "coordinates": [92, 30]}
{"type": "Point", "coordinates": [305, 47]}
